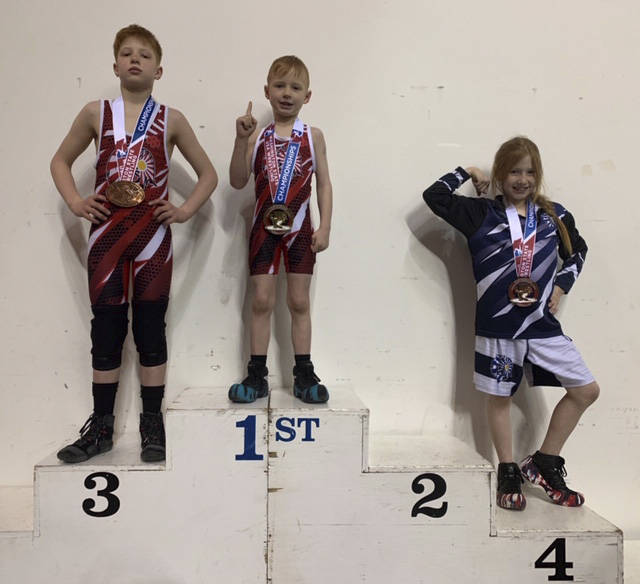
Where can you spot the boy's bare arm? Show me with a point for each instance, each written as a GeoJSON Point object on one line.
{"type": "Point", "coordinates": [320, 237]}
{"type": "Point", "coordinates": [84, 129]}
{"type": "Point", "coordinates": [182, 135]}
{"type": "Point", "coordinates": [246, 135]}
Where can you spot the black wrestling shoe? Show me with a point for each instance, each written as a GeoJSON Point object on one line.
{"type": "Point", "coordinates": [96, 437]}
{"type": "Point", "coordinates": [255, 385]}
{"type": "Point", "coordinates": [306, 386]}
{"type": "Point", "coordinates": [547, 471]}
{"type": "Point", "coordinates": [509, 494]}
{"type": "Point", "coordinates": [152, 438]}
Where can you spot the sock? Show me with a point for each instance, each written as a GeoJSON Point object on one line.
{"type": "Point", "coordinates": [259, 359]}
{"type": "Point", "coordinates": [151, 398]}
{"type": "Point", "coordinates": [301, 359]}
{"type": "Point", "coordinates": [104, 397]}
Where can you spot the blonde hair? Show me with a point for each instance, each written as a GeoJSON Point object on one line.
{"type": "Point", "coordinates": [282, 66]}
{"type": "Point", "coordinates": [139, 32]}
{"type": "Point", "coordinates": [507, 156]}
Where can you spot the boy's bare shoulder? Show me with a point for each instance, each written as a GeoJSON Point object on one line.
{"type": "Point", "coordinates": [92, 107]}
{"type": "Point", "coordinates": [175, 116]}
{"type": "Point", "coordinates": [316, 133]}
{"type": "Point", "coordinates": [89, 116]}
{"type": "Point", "coordinates": [177, 123]}
{"type": "Point", "coordinates": [174, 113]}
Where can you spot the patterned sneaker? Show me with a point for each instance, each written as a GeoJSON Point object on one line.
{"type": "Point", "coordinates": [509, 495]}
{"type": "Point", "coordinates": [96, 437]}
{"type": "Point", "coordinates": [547, 471]}
{"type": "Point", "coordinates": [253, 386]}
{"type": "Point", "coordinates": [152, 439]}
{"type": "Point", "coordinates": [306, 386]}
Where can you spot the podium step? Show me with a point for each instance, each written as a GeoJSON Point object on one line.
{"type": "Point", "coordinates": [437, 451]}
{"type": "Point", "coordinates": [348, 507]}
{"type": "Point", "coordinates": [541, 516]}
{"type": "Point", "coordinates": [566, 544]}
{"type": "Point", "coordinates": [280, 491]}
{"type": "Point", "coordinates": [341, 506]}
{"type": "Point", "coordinates": [16, 511]}
{"type": "Point", "coordinates": [200, 517]}
{"type": "Point", "coordinates": [632, 561]}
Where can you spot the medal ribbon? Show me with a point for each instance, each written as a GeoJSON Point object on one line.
{"type": "Point", "coordinates": [279, 182]}
{"type": "Point", "coordinates": [523, 246]}
{"type": "Point", "coordinates": [127, 158]}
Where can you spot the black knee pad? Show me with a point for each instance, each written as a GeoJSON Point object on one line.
{"type": "Point", "coordinates": [108, 332]}
{"type": "Point", "coordinates": [148, 332]}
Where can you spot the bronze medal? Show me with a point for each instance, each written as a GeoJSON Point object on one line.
{"type": "Point", "coordinates": [125, 193]}
{"type": "Point", "coordinates": [278, 219]}
{"type": "Point", "coordinates": [524, 292]}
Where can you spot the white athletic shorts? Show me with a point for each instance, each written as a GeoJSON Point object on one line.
{"type": "Point", "coordinates": [550, 361]}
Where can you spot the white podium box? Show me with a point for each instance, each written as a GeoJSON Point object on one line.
{"type": "Point", "coordinates": [583, 545]}
{"type": "Point", "coordinates": [202, 518]}
{"type": "Point", "coordinates": [282, 492]}
{"type": "Point", "coordinates": [346, 507]}
{"type": "Point", "coordinates": [16, 512]}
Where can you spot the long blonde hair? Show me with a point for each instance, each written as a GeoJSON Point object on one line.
{"type": "Point", "coordinates": [507, 156]}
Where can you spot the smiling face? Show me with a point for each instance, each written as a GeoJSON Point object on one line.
{"type": "Point", "coordinates": [521, 181]}
{"type": "Point", "coordinates": [287, 93]}
{"type": "Point", "coordinates": [517, 171]}
{"type": "Point", "coordinates": [136, 64]}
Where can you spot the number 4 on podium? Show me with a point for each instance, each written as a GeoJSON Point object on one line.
{"type": "Point", "coordinates": [560, 565]}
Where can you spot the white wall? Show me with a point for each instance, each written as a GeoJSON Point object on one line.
{"type": "Point", "coordinates": [404, 91]}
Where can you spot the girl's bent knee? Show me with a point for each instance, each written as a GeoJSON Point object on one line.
{"type": "Point", "coordinates": [593, 392]}
{"type": "Point", "coordinates": [586, 394]}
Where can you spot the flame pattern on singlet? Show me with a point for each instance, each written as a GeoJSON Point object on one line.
{"type": "Point", "coordinates": [131, 242]}
{"type": "Point", "coordinates": [266, 248]}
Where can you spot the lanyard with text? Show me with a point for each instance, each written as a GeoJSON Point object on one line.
{"type": "Point", "coordinates": [278, 217]}
{"type": "Point", "coordinates": [125, 192]}
{"type": "Point", "coordinates": [523, 291]}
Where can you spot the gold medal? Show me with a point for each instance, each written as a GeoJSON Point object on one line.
{"type": "Point", "coordinates": [523, 292]}
{"type": "Point", "coordinates": [278, 219]}
{"type": "Point", "coordinates": [125, 193]}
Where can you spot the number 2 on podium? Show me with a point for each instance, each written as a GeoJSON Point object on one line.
{"type": "Point", "coordinates": [439, 489]}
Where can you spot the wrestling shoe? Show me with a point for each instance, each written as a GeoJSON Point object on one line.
{"type": "Point", "coordinates": [547, 471]}
{"type": "Point", "coordinates": [306, 386]}
{"type": "Point", "coordinates": [96, 437]}
{"type": "Point", "coordinates": [509, 495]}
{"type": "Point", "coordinates": [152, 440]}
{"type": "Point", "coordinates": [253, 386]}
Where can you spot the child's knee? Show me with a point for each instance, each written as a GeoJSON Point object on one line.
{"type": "Point", "coordinates": [298, 303]}
{"type": "Point", "coordinates": [497, 402]}
{"type": "Point", "coordinates": [586, 394]}
{"type": "Point", "coordinates": [592, 393]}
{"type": "Point", "coordinates": [262, 303]}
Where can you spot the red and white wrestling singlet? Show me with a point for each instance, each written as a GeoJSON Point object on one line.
{"type": "Point", "coordinates": [265, 248]}
{"type": "Point", "coordinates": [131, 241]}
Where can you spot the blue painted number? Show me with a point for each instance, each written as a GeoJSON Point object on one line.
{"type": "Point", "coordinates": [249, 453]}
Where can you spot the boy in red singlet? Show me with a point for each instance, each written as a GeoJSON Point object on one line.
{"type": "Point", "coordinates": [130, 235]}
{"type": "Point", "coordinates": [283, 157]}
